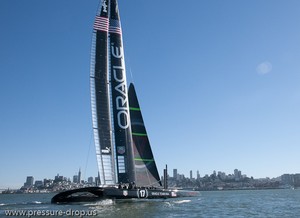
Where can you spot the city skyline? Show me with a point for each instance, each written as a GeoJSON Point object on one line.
{"type": "Point", "coordinates": [217, 82]}
{"type": "Point", "coordinates": [175, 174]}
{"type": "Point", "coordinates": [214, 182]}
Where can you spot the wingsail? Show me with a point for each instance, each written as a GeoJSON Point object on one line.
{"type": "Point", "coordinates": [109, 99]}
{"type": "Point", "coordinates": [100, 97]}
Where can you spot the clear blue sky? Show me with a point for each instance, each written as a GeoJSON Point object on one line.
{"type": "Point", "coordinates": [218, 83]}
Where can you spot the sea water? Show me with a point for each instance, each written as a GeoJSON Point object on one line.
{"type": "Point", "coordinates": [246, 203]}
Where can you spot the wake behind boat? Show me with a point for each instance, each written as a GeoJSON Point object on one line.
{"type": "Point", "coordinates": [126, 164]}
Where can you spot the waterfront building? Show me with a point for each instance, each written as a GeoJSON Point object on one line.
{"type": "Point", "coordinates": [297, 180]}
{"type": "Point", "coordinates": [287, 179]}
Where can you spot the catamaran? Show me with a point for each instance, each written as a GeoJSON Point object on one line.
{"type": "Point", "coordinates": [126, 164]}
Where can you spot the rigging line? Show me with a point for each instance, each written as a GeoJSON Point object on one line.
{"type": "Point", "coordinates": [155, 183]}
{"type": "Point", "coordinates": [132, 80]}
{"type": "Point", "coordinates": [131, 75]}
{"type": "Point", "coordinates": [87, 158]}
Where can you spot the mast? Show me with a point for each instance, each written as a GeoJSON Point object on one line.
{"type": "Point", "coordinates": [100, 104]}
{"type": "Point", "coordinates": [119, 97]}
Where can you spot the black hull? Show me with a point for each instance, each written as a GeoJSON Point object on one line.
{"type": "Point", "coordinates": [90, 194]}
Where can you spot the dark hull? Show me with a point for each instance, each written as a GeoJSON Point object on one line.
{"type": "Point", "coordinates": [89, 194]}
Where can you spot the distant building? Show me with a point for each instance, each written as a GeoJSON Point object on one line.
{"type": "Point", "coordinates": [58, 178]}
{"type": "Point", "coordinates": [48, 182]}
{"type": "Point", "coordinates": [38, 183]}
{"type": "Point", "coordinates": [191, 174]}
{"type": "Point", "coordinates": [175, 173]}
{"type": "Point", "coordinates": [180, 177]}
{"type": "Point", "coordinates": [29, 182]}
{"type": "Point", "coordinates": [97, 180]}
{"type": "Point", "coordinates": [90, 180]}
{"type": "Point", "coordinates": [198, 174]}
{"type": "Point", "coordinates": [75, 179]}
{"type": "Point", "coordinates": [287, 179]}
{"type": "Point", "coordinates": [237, 174]}
{"type": "Point", "coordinates": [214, 173]}
{"type": "Point", "coordinates": [79, 176]}
{"type": "Point", "coordinates": [297, 180]}
{"type": "Point", "coordinates": [222, 175]}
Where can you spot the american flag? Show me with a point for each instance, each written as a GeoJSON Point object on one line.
{"type": "Point", "coordinates": [101, 23]}
{"type": "Point", "coordinates": [114, 27]}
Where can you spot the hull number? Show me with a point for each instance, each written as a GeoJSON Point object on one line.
{"type": "Point", "coordinates": [142, 193]}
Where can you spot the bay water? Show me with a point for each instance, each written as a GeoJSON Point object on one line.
{"type": "Point", "coordinates": [242, 203]}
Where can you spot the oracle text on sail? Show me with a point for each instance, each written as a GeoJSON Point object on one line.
{"type": "Point", "coordinates": [118, 73]}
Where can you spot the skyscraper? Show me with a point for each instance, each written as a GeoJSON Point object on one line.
{"type": "Point", "coordinates": [175, 173]}
{"type": "Point", "coordinates": [79, 176]}
{"type": "Point", "coordinates": [75, 179]}
{"type": "Point", "coordinates": [198, 174]}
{"type": "Point", "coordinates": [29, 182]}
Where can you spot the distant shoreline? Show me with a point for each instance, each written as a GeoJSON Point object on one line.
{"type": "Point", "coordinates": [244, 189]}
{"type": "Point", "coordinates": [16, 192]}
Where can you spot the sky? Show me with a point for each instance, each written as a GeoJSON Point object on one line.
{"type": "Point", "coordinates": [217, 80]}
